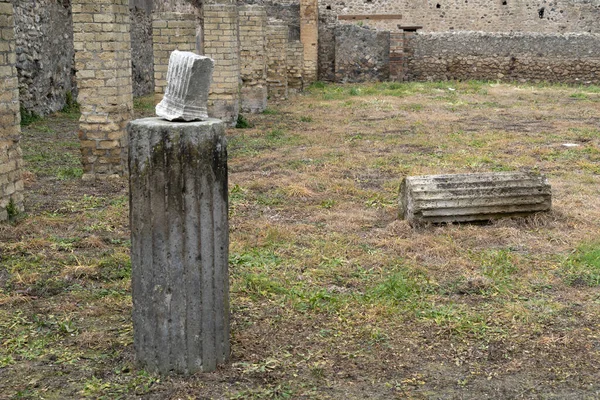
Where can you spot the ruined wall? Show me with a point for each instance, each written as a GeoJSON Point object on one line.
{"type": "Point", "coordinates": [142, 64]}
{"type": "Point", "coordinates": [556, 16]}
{"type": "Point", "coordinates": [295, 66]}
{"type": "Point", "coordinates": [44, 38]}
{"type": "Point", "coordinates": [361, 55]}
{"type": "Point", "coordinates": [533, 57]}
{"type": "Point", "coordinates": [11, 159]}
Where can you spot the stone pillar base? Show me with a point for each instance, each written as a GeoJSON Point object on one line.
{"type": "Point", "coordinates": [179, 245]}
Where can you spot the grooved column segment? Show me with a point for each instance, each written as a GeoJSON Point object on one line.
{"type": "Point", "coordinates": [170, 31]}
{"type": "Point", "coordinates": [221, 43]}
{"type": "Point", "coordinates": [11, 157]}
{"type": "Point", "coordinates": [103, 62]}
{"type": "Point", "coordinates": [277, 79]}
{"type": "Point", "coordinates": [295, 66]}
{"type": "Point", "coordinates": [472, 197]}
{"type": "Point", "coordinates": [253, 58]}
{"type": "Point", "coordinates": [179, 245]}
{"type": "Point", "coordinates": [309, 36]}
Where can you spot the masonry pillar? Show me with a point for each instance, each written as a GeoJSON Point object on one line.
{"type": "Point", "coordinates": [295, 66]}
{"type": "Point", "coordinates": [396, 56]}
{"type": "Point", "coordinates": [277, 80]}
{"type": "Point", "coordinates": [221, 43]}
{"type": "Point", "coordinates": [170, 31]}
{"type": "Point", "coordinates": [309, 36]}
{"type": "Point", "coordinates": [253, 58]}
{"type": "Point", "coordinates": [11, 157]}
{"type": "Point", "coordinates": [103, 62]}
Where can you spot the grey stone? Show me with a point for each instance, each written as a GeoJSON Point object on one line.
{"type": "Point", "coordinates": [179, 244]}
{"type": "Point", "coordinates": [472, 197]}
{"type": "Point", "coordinates": [188, 82]}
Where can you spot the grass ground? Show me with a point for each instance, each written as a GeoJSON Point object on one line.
{"type": "Point", "coordinates": [332, 296]}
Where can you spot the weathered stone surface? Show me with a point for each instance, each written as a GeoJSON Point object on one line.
{"type": "Point", "coordinates": [472, 197]}
{"type": "Point", "coordinates": [188, 83]}
{"type": "Point", "coordinates": [525, 57]}
{"type": "Point", "coordinates": [361, 55]}
{"type": "Point", "coordinates": [11, 156]}
{"type": "Point", "coordinates": [253, 58]}
{"type": "Point", "coordinates": [179, 244]}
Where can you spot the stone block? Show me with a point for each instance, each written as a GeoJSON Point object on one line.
{"type": "Point", "coordinates": [472, 197]}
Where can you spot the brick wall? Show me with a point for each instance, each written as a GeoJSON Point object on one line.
{"type": "Point", "coordinates": [103, 62]}
{"type": "Point", "coordinates": [253, 58]}
{"type": "Point", "coordinates": [277, 40]}
{"type": "Point", "coordinates": [11, 161]}
{"type": "Point", "coordinates": [295, 66]}
{"type": "Point", "coordinates": [221, 43]}
{"type": "Point", "coordinates": [309, 36]}
{"type": "Point", "coordinates": [170, 31]}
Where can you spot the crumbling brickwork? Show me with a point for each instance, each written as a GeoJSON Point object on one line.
{"type": "Point", "coordinates": [103, 62]}
{"type": "Point", "coordinates": [11, 158]}
{"type": "Point", "coordinates": [253, 58]}
{"type": "Point", "coordinates": [170, 31]}
{"type": "Point", "coordinates": [221, 43]}
{"type": "Point", "coordinates": [295, 66]}
{"type": "Point", "coordinates": [277, 40]}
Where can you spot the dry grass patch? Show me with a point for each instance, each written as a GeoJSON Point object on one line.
{"type": "Point", "coordinates": [332, 296]}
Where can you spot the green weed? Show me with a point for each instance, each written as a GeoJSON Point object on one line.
{"type": "Point", "coordinates": [582, 268]}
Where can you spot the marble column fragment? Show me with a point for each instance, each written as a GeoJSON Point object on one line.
{"type": "Point", "coordinates": [188, 83]}
{"type": "Point", "coordinates": [472, 197]}
{"type": "Point", "coordinates": [179, 245]}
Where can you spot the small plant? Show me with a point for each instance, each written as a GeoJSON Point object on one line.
{"type": "Point", "coordinates": [11, 209]}
{"type": "Point", "coordinates": [28, 117]}
{"type": "Point", "coordinates": [242, 122]}
{"type": "Point", "coordinates": [270, 111]}
{"type": "Point", "coordinates": [306, 119]}
{"type": "Point", "coordinates": [71, 105]}
{"type": "Point", "coordinates": [354, 91]}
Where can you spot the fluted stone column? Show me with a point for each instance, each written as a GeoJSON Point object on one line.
{"type": "Point", "coordinates": [179, 244]}
{"type": "Point", "coordinates": [472, 197]}
{"type": "Point", "coordinates": [11, 157]}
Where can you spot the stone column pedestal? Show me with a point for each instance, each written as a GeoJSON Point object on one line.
{"type": "Point", "coordinates": [179, 244]}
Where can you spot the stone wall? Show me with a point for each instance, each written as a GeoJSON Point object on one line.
{"type": "Point", "coordinates": [253, 58]}
{"type": "Point", "coordinates": [171, 31]}
{"type": "Point", "coordinates": [361, 55]}
{"type": "Point", "coordinates": [103, 63]}
{"type": "Point", "coordinates": [44, 38]}
{"type": "Point", "coordinates": [295, 66]}
{"type": "Point", "coordinates": [142, 64]}
{"type": "Point", "coordinates": [557, 16]}
{"type": "Point", "coordinates": [277, 40]}
{"type": "Point", "coordinates": [11, 158]}
{"type": "Point", "coordinates": [533, 57]}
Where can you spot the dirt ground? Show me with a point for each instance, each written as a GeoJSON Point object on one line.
{"type": "Point", "coordinates": [332, 296]}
